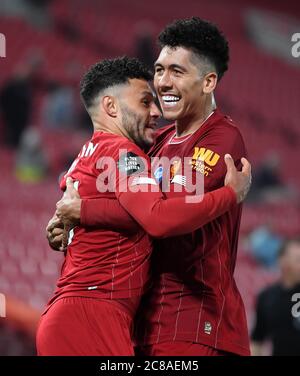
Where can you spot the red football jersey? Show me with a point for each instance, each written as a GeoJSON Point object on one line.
{"type": "Point", "coordinates": [99, 262]}
{"type": "Point", "coordinates": [194, 295]}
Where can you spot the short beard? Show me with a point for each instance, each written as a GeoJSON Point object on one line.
{"type": "Point", "coordinates": [131, 122]}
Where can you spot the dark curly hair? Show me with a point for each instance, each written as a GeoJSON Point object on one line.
{"type": "Point", "coordinates": [202, 37]}
{"type": "Point", "coordinates": [108, 73]}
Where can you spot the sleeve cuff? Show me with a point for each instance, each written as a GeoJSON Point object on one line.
{"type": "Point", "coordinates": [231, 195]}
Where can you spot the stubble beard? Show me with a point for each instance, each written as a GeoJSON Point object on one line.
{"type": "Point", "coordinates": [132, 123]}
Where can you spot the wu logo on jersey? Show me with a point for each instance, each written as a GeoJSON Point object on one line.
{"type": "Point", "coordinates": [203, 160]}
{"type": "Point", "coordinates": [206, 155]}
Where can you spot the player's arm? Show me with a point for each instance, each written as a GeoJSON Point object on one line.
{"type": "Point", "coordinates": [94, 212]}
{"type": "Point", "coordinates": [162, 217]}
{"type": "Point", "coordinates": [158, 216]}
{"type": "Point", "coordinates": [101, 213]}
{"type": "Point", "coordinates": [55, 232]}
{"type": "Point", "coordinates": [104, 213]}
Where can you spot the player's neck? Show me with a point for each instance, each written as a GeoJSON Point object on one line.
{"type": "Point", "coordinates": [107, 127]}
{"type": "Point", "coordinates": [289, 282]}
{"type": "Point", "coordinates": [190, 125]}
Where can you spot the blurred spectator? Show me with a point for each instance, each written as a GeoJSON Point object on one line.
{"type": "Point", "coordinates": [58, 109]}
{"type": "Point", "coordinates": [267, 185]}
{"type": "Point", "coordinates": [15, 103]}
{"type": "Point", "coordinates": [275, 320]}
{"type": "Point", "coordinates": [16, 100]}
{"type": "Point", "coordinates": [31, 163]}
{"type": "Point", "coordinates": [265, 245]}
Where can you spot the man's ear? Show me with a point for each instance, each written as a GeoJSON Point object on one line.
{"type": "Point", "coordinates": [109, 105]}
{"type": "Point", "coordinates": [210, 82]}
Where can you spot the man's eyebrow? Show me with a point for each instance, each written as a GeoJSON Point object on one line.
{"type": "Point", "coordinates": [148, 93]}
{"type": "Point", "coordinates": [172, 66]}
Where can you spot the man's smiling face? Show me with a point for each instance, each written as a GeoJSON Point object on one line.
{"type": "Point", "coordinates": [178, 83]}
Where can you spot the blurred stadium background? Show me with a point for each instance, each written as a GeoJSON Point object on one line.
{"type": "Point", "coordinates": [49, 44]}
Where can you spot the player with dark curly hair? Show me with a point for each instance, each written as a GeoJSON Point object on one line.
{"type": "Point", "coordinates": [208, 44]}
{"type": "Point", "coordinates": [194, 306]}
{"type": "Point", "coordinates": [106, 270]}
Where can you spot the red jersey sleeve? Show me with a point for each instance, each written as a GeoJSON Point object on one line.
{"type": "Point", "coordinates": [158, 216]}
{"type": "Point", "coordinates": [107, 214]}
{"type": "Point", "coordinates": [138, 193]}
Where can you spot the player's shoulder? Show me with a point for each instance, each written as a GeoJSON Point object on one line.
{"type": "Point", "coordinates": [221, 135]}
{"type": "Point", "coordinates": [224, 123]}
{"type": "Point", "coordinates": [270, 293]}
{"type": "Point", "coordinates": [112, 144]}
{"type": "Point", "coordinates": [126, 146]}
{"type": "Point", "coordinates": [225, 130]}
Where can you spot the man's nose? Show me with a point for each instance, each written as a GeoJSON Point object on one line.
{"type": "Point", "coordinates": [164, 81]}
{"type": "Point", "coordinates": [154, 111]}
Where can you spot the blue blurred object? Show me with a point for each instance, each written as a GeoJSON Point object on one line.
{"type": "Point", "coordinates": [265, 246]}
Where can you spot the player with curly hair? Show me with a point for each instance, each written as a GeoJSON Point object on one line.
{"type": "Point", "coordinates": [194, 306]}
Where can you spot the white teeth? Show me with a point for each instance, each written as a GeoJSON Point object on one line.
{"type": "Point", "coordinates": [170, 98]}
{"type": "Point", "coordinates": [170, 104]}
